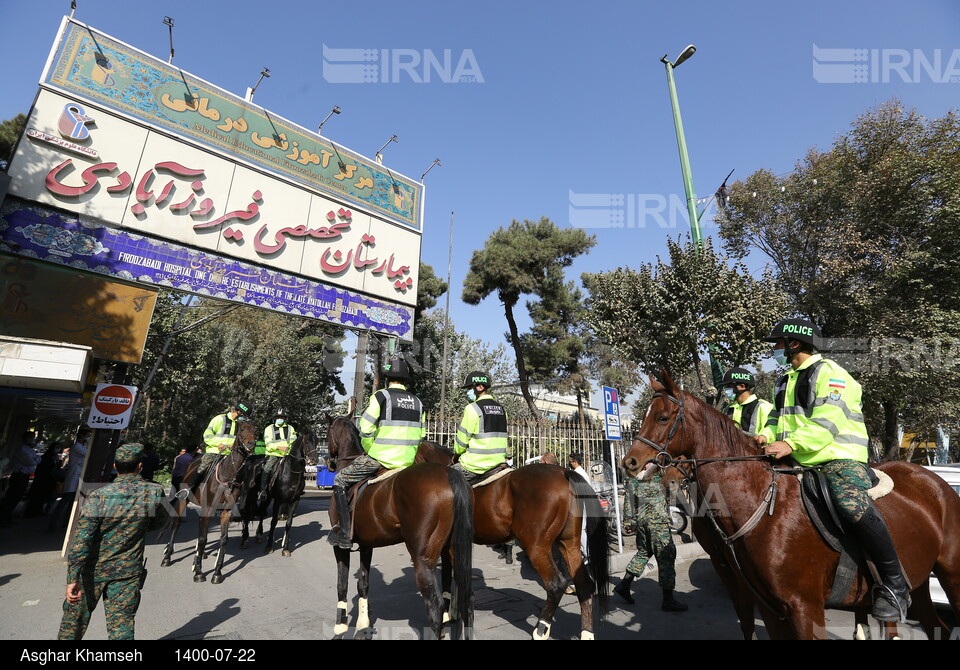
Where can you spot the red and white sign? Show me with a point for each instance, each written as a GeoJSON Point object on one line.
{"type": "Point", "coordinates": [112, 406]}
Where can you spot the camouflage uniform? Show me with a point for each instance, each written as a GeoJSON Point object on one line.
{"type": "Point", "coordinates": [106, 557]}
{"type": "Point", "coordinates": [645, 505]}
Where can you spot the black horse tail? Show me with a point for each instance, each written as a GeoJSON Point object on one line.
{"type": "Point", "coordinates": [597, 528]}
{"type": "Point", "coordinates": [462, 544]}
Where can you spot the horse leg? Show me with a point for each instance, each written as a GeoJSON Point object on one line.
{"type": "Point", "coordinates": [570, 550]}
{"type": "Point", "coordinates": [926, 614]}
{"type": "Point", "coordinates": [201, 545]}
{"type": "Point", "coordinates": [364, 629]}
{"type": "Point", "coordinates": [225, 517]}
{"type": "Point", "coordinates": [426, 576]}
{"type": "Point", "coordinates": [179, 508]}
{"type": "Point", "coordinates": [261, 513]}
{"type": "Point", "coordinates": [539, 551]}
{"type": "Point", "coordinates": [273, 528]}
{"type": "Point", "coordinates": [285, 548]}
{"type": "Point", "coordinates": [446, 581]}
{"type": "Point", "coordinates": [343, 578]}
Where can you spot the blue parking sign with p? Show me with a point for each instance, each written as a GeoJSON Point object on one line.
{"type": "Point", "coordinates": [611, 413]}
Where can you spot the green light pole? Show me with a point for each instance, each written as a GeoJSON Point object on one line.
{"type": "Point", "coordinates": [715, 368]}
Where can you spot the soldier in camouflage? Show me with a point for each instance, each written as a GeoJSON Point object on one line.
{"type": "Point", "coordinates": [645, 508]}
{"type": "Point", "coordinates": [106, 557]}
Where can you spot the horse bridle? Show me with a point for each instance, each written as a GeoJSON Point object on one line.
{"type": "Point", "coordinates": [664, 459]}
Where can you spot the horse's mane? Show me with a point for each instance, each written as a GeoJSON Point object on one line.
{"type": "Point", "coordinates": [717, 424]}
{"type": "Point", "coordinates": [353, 434]}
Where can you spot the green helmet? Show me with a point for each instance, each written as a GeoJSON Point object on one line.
{"type": "Point", "coordinates": [477, 378]}
{"type": "Point", "coordinates": [801, 330]}
{"type": "Point", "coordinates": [735, 376]}
{"type": "Point", "coordinates": [243, 407]}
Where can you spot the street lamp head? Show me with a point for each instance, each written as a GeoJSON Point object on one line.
{"type": "Point", "coordinates": [685, 54]}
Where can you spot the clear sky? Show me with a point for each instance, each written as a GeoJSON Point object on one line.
{"type": "Point", "coordinates": [562, 110]}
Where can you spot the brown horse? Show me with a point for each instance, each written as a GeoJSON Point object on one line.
{"type": "Point", "coordinates": [427, 507]}
{"type": "Point", "coordinates": [216, 495]}
{"type": "Point", "coordinates": [541, 506]}
{"type": "Point", "coordinates": [783, 561]}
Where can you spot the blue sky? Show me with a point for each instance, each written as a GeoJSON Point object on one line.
{"type": "Point", "coordinates": [565, 99]}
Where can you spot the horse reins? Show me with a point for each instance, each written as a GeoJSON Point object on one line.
{"type": "Point", "coordinates": [664, 459]}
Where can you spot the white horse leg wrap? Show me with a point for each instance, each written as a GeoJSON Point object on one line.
{"type": "Point", "coordinates": [586, 635]}
{"type": "Point", "coordinates": [363, 614]}
{"type": "Point", "coordinates": [542, 631]}
{"type": "Point", "coordinates": [341, 626]}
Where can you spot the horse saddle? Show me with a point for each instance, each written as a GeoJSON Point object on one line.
{"type": "Point", "coordinates": [823, 514]}
{"type": "Point", "coordinates": [492, 475]}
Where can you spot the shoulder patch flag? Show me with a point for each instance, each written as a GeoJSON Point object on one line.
{"type": "Point", "coordinates": [838, 383]}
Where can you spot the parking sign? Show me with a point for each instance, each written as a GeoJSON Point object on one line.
{"type": "Point", "coordinates": [611, 413]}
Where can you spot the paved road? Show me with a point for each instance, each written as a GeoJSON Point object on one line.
{"type": "Point", "coordinates": [271, 597]}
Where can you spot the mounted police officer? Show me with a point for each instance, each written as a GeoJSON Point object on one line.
{"type": "Point", "coordinates": [817, 419]}
{"type": "Point", "coordinates": [482, 435]}
{"type": "Point", "coordinates": [219, 437]}
{"type": "Point", "coordinates": [278, 438]}
{"type": "Point", "coordinates": [745, 409]}
{"type": "Point", "coordinates": [391, 429]}
{"type": "Point", "coordinates": [106, 556]}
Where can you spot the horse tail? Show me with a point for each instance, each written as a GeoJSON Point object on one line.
{"type": "Point", "coordinates": [461, 542]}
{"type": "Point", "coordinates": [596, 520]}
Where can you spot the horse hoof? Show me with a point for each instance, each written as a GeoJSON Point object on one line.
{"type": "Point", "coordinates": [364, 634]}
{"type": "Point", "coordinates": [287, 552]}
{"type": "Point", "coordinates": [244, 545]}
{"type": "Point", "coordinates": [165, 563]}
{"type": "Point", "coordinates": [199, 578]}
{"type": "Point", "coordinates": [268, 550]}
{"type": "Point", "coordinates": [216, 579]}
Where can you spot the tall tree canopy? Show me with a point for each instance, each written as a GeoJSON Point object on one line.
{"type": "Point", "coordinates": [665, 314]}
{"type": "Point", "coordinates": [522, 259]}
{"type": "Point", "coordinates": [863, 237]}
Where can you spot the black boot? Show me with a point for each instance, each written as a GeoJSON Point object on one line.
{"type": "Point", "coordinates": [622, 589]}
{"type": "Point", "coordinates": [339, 535]}
{"type": "Point", "coordinates": [670, 604]}
{"type": "Point", "coordinates": [892, 596]}
{"type": "Point", "coordinates": [264, 483]}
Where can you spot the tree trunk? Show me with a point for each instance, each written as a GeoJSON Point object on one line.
{"type": "Point", "coordinates": [521, 368]}
{"type": "Point", "coordinates": [583, 430]}
{"type": "Point", "coordinates": [891, 448]}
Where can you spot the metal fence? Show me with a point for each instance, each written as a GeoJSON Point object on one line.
{"type": "Point", "coordinates": [529, 440]}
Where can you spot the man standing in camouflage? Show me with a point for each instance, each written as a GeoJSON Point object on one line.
{"type": "Point", "coordinates": [106, 557]}
{"type": "Point", "coordinates": [645, 508]}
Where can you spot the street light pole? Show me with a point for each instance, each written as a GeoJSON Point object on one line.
{"type": "Point", "coordinates": [715, 368]}
{"type": "Point", "coordinates": [682, 145]}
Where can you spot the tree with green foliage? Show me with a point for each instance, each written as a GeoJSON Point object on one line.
{"type": "Point", "coordinates": [863, 238]}
{"type": "Point", "coordinates": [10, 130]}
{"type": "Point", "coordinates": [665, 314]}
{"type": "Point", "coordinates": [522, 259]}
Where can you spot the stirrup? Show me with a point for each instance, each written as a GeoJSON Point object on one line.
{"type": "Point", "coordinates": [887, 606]}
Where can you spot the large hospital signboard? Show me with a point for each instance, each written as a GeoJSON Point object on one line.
{"type": "Point", "coordinates": [173, 181]}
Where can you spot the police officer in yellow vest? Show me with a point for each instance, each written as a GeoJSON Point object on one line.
{"type": "Point", "coordinates": [482, 435]}
{"type": "Point", "coordinates": [747, 410]}
{"type": "Point", "coordinates": [278, 437]}
{"type": "Point", "coordinates": [817, 419]}
{"type": "Point", "coordinates": [219, 436]}
{"type": "Point", "coordinates": [391, 429]}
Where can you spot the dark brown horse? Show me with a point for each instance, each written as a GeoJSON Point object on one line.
{"type": "Point", "coordinates": [782, 559]}
{"type": "Point", "coordinates": [427, 507]}
{"type": "Point", "coordinates": [542, 506]}
{"type": "Point", "coordinates": [216, 495]}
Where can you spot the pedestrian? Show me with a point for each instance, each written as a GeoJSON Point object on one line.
{"type": "Point", "coordinates": [391, 429]}
{"type": "Point", "coordinates": [179, 469]}
{"type": "Point", "coordinates": [575, 461]}
{"type": "Point", "coordinates": [71, 479]}
{"type": "Point", "coordinates": [44, 481]}
{"type": "Point", "coordinates": [645, 509]}
{"type": "Point", "coordinates": [818, 420]}
{"type": "Point", "coordinates": [481, 442]}
{"type": "Point", "coordinates": [549, 458]}
{"type": "Point", "coordinates": [23, 465]}
{"type": "Point", "coordinates": [219, 437]}
{"type": "Point", "coordinates": [277, 438]}
{"type": "Point", "coordinates": [106, 556]}
{"type": "Point", "coordinates": [745, 409]}
{"type": "Point", "coordinates": [150, 461]}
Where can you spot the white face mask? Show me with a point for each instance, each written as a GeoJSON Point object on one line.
{"type": "Point", "coordinates": [779, 355]}
{"type": "Point", "coordinates": [279, 422]}
{"type": "Point", "coordinates": [471, 395]}
{"type": "Point", "coordinates": [730, 393]}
